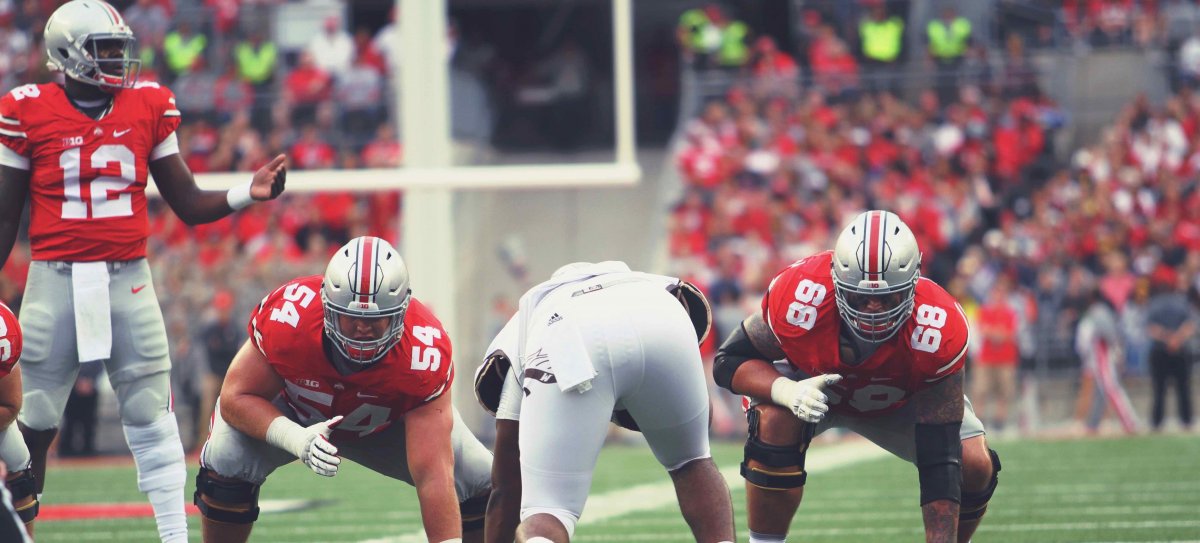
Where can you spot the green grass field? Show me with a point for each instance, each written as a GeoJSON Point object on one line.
{"type": "Point", "coordinates": [1141, 489]}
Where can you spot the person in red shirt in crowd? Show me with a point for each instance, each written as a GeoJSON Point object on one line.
{"type": "Point", "coordinates": [311, 152]}
{"type": "Point", "coordinates": [385, 151]}
{"type": "Point", "coordinates": [305, 88]}
{"type": "Point", "coordinates": [995, 377]}
{"type": "Point", "coordinates": [232, 94]}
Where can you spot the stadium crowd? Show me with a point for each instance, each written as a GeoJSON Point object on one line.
{"type": "Point", "coordinates": [797, 145]}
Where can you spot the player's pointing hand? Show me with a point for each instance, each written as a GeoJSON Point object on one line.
{"type": "Point", "coordinates": [269, 180]}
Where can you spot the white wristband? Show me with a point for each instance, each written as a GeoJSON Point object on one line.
{"type": "Point", "coordinates": [781, 391]}
{"type": "Point", "coordinates": [239, 197]}
{"type": "Point", "coordinates": [287, 435]}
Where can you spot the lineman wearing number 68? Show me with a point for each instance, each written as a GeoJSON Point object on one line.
{"type": "Point", "coordinates": [860, 341]}
{"type": "Point", "coordinates": [81, 153]}
{"type": "Point", "coordinates": [348, 365]}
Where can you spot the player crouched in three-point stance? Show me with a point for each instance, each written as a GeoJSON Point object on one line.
{"type": "Point", "coordinates": [593, 339]}
{"type": "Point", "coordinates": [13, 516]}
{"type": "Point", "coordinates": [346, 365]}
{"type": "Point", "coordinates": [861, 342]}
{"type": "Point", "coordinates": [81, 153]}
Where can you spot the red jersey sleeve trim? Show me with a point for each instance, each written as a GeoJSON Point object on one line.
{"type": "Point", "coordinates": [6, 120]}
{"type": "Point", "coordinates": [13, 133]}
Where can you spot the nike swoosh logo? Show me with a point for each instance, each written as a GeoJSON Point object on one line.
{"type": "Point", "coordinates": [135, 290]}
{"type": "Point", "coordinates": [119, 133]}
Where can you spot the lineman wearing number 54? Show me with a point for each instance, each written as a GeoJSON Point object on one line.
{"type": "Point", "coordinates": [81, 152]}
{"type": "Point", "coordinates": [860, 341]}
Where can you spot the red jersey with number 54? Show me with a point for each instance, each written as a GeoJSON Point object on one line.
{"type": "Point", "coordinates": [288, 327]}
{"type": "Point", "coordinates": [88, 176]}
{"type": "Point", "coordinates": [10, 340]}
{"type": "Point", "coordinates": [932, 343]}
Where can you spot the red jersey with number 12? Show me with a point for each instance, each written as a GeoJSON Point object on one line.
{"type": "Point", "coordinates": [88, 176]}
{"type": "Point", "coordinates": [932, 343]}
{"type": "Point", "coordinates": [288, 328]}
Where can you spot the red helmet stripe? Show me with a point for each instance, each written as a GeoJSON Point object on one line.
{"type": "Point", "coordinates": [366, 270]}
{"type": "Point", "coordinates": [874, 245]}
{"type": "Point", "coordinates": [112, 12]}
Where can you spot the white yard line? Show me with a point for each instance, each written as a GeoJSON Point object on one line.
{"type": "Point", "coordinates": [655, 495]}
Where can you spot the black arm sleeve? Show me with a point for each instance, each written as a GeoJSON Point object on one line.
{"type": "Point", "coordinates": [736, 350]}
{"type": "Point", "coordinates": [939, 461]}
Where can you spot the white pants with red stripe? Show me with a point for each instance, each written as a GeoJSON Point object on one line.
{"type": "Point", "coordinates": [1109, 391]}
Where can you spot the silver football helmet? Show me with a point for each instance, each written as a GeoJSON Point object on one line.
{"type": "Point", "coordinates": [82, 40]}
{"type": "Point", "coordinates": [365, 293]}
{"type": "Point", "coordinates": [876, 266]}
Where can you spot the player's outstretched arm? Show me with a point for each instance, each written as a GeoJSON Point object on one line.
{"type": "Point", "coordinates": [504, 506]}
{"type": "Point", "coordinates": [197, 206]}
{"type": "Point", "coordinates": [939, 456]}
{"type": "Point", "coordinates": [14, 188]}
{"type": "Point", "coordinates": [431, 463]}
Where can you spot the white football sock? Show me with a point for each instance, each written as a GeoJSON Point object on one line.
{"type": "Point", "coordinates": [158, 453]}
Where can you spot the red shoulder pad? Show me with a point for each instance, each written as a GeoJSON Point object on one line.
{"type": "Point", "coordinates": [292, 311]}
{"type": "Point", "coordinates": [940, 334]}
{"type": "Point", "coordinates": [161, 102]}
{"type": "Point", "coordinates": [14, 132]}
{"type": "Point", "coordinates": [799, 297]}
{"type": "Point", "coordinates": [10, 340]}
{"type": "Point", "coordinates": [427, 348]}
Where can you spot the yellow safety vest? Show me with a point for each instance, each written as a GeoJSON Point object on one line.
{"type": "Point", "coordinates": [949, 43]}
{"type": "Point", "coordinates": [733, 44]}
{"type": "Point", "coordinates": [881, 39]}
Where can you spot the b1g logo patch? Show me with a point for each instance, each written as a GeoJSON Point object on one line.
{"type": "Point", "coordinates": [73, 141]}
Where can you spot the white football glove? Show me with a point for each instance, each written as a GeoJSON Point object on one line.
{"type": "Point", "coordinates": [311, 445]}
{"type": "Point", "coordinates": [804, 398]}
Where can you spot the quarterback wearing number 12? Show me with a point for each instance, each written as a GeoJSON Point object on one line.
{"type": "Point", "coordinates": [855, 338]}
{"type": "Point", "coordinates": [81, 153]}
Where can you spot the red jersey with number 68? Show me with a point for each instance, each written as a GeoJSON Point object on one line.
{"type": "Point", "coordinates": [932, 343]}
{"type": "Point", "coordinates": [10, 340]}
{"type": "Point", "coordinates": [288, 327]}
{"type": "Point", "coordinates": [88, 176]}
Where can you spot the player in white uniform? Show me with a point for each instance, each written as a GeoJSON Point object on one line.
{"type": "Point", "coordinates": [593, 339]}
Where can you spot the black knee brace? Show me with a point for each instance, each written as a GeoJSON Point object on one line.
{"type": "Point", "coordinates": [24, 486]}
{"type": "Point", "coordinates": [775, 456]}
{"type": "Point", "coordinates": [974, 504]}
{"type": "Point", "coordinates": [239, 499]}
{"type": "Point", "coordinates": [472, 511]}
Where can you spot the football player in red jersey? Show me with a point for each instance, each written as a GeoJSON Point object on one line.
{"type": "Point", "coordinates": [81, 153]}
{"type": "Point", "coordinates": [12, 448]}
{"type": "Point", "coordinates": [861, 341]}
{"type": "Point", "coordinates": [346, 365]}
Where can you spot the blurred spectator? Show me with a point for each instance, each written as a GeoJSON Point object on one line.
{"type": "Point", "coordinates": [471, 117]}
{"type": "Point", "coordinates": [1172, 325]}
{"type": "Point", "coordinates": [733, 51]}
{"type": "Point", "coordinates": [311, 152]}
{"type": "Point", "coordinates": [231, 93]}
{"type": "Point", "coordinates": [359, 95]}
{"type": "Point", "coordinates": [834, 69]}
{"type": "Point", "coordinates": [1099, 344]}
{"type": "Point", "coordinates": [1133, 326]}
{"type": "Point", "coordinates": [385, 151]}
{"type": "Point", "coordinates": [195, 94]}
{"type": "Point", "coordinates": [698, 37]}
{"type": "Point", "coordinates": [14, 52]}
{"type": "Point", "coordinates": [78, 436]}
{"type": "Point", "coordinates": [995, 377]}
{"type": "Point", "coordinates": [225, 14]}
{"type": "Point", "coordinates": [949, 39]}
{"type": "Point", "coordinates": [183, 50]}
{"type": "Point", "coordinates": [1189, 62]}
{"type": "Point", "coordinates": [776, 73]}
{"type": "Point", "coordinates": [387, 41]}
{"type": "Point", "coordinates": [221, 339]}
{"type": "Point", "coordinates": [558, 92]}
{"type": "Point", "coordinates": [305, 87]}
{"type": "Point", "coordinates": [256, 58]}
{"type": "Point", "coordinates": [881, 41]}
{"type": "Point", "coordinates": [332, 49]}
{"type": "Point", "coordinates": [149, 21]}
{"type": "Point", "coordinates": [366, 52]}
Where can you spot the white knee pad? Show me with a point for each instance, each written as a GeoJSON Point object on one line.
{"type": "Point", "coordinates": [567, 518]}
{"type": "Point", "coordinates": [42, 409]}
{"type": "Point", "coordinates": [13, 451]}
{"type": "Point", "coordinates": [158, 453]}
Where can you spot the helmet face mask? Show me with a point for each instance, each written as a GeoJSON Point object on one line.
{"type": "Point", "coordinates": [876, 267]}
{"type": "Point", "coordinates": [365, 296]}
{"type": "Point", "coordinates": [89, 42]}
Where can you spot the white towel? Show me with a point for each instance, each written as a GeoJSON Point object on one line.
{"type": "Point", "coordinates": [93, 317]}
{"type": "Point", "coordinates": [572, 372]}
